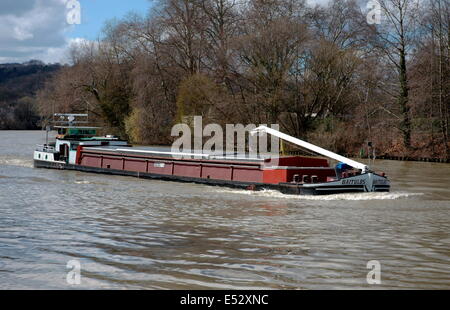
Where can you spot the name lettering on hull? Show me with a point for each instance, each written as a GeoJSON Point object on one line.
{"type": "Point", "coordinates": [354, 182]}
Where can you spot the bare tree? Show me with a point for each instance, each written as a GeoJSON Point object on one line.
{"type": "Point", "coordinates": [271, 40]}
{"type": "Point", "coordinates": [397, 34]}
{"type": "Point", "coordinates": [221, 17]}
{"type": "Point", "coordinates": [184, 33]}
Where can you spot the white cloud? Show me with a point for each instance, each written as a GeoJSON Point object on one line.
{"type": "Point", "coordinates": [59, 54]}
{"type": "Point", "coordinates": [32, 29]}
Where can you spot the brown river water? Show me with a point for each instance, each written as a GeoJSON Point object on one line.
{"type": "Point", "coordinates": [128, 233]}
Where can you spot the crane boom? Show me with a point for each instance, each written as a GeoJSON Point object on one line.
{"type": "Point", "coordinates": [311, 147]}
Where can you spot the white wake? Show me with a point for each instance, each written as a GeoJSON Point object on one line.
{"type": "Point", "coordinates": [348, 196]}
{"type": "Point", "coordinates": [19, 162]}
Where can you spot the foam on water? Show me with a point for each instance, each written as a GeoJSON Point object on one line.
{"type": "Point", "coordinates": [19, 162]}
{"type": "Point", "coordinates": [82, 182]}
{"type": "Point", "coordinates": [349, 196]}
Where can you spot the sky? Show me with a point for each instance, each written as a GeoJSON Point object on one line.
{"type": "Point", "coordinates": [95, 12]}
{"type": "Point", "coordinates": [42, 29]}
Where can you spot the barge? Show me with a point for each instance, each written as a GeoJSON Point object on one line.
{"type": "Point", "coordinates": [80, 149]}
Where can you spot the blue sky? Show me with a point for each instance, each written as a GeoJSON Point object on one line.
{"type": "Point", "coordinates": [94, 13]}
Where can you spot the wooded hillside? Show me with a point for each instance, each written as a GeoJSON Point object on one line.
{"type": "Point", "coordinates": [18, 86]}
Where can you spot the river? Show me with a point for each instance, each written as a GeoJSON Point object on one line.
{"type": "Point", "coordinates": [128, 233]}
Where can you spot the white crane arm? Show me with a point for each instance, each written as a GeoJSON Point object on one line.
{"type": "Point", "coordinates": [311, 147]}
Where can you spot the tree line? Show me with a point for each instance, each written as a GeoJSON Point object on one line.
{"type": "Point", "coordinates": [323, 73]}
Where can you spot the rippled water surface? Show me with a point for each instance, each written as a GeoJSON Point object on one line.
{"type": "Point", "coordinates": [141, 234]}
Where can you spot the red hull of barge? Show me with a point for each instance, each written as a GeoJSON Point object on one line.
{"type": "Point", "coordinates": [208, 169]}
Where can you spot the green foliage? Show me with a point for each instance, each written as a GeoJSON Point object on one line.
{"type": "Point", "coordinates": [196, 96]}
{"type": "Point", "coordinates": [132, 127]}
{"type": "Point", "coordinates": [115, 106]}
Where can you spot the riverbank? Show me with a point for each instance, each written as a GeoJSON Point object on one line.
{"type": "Point", "coordinates": [407, 158]}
